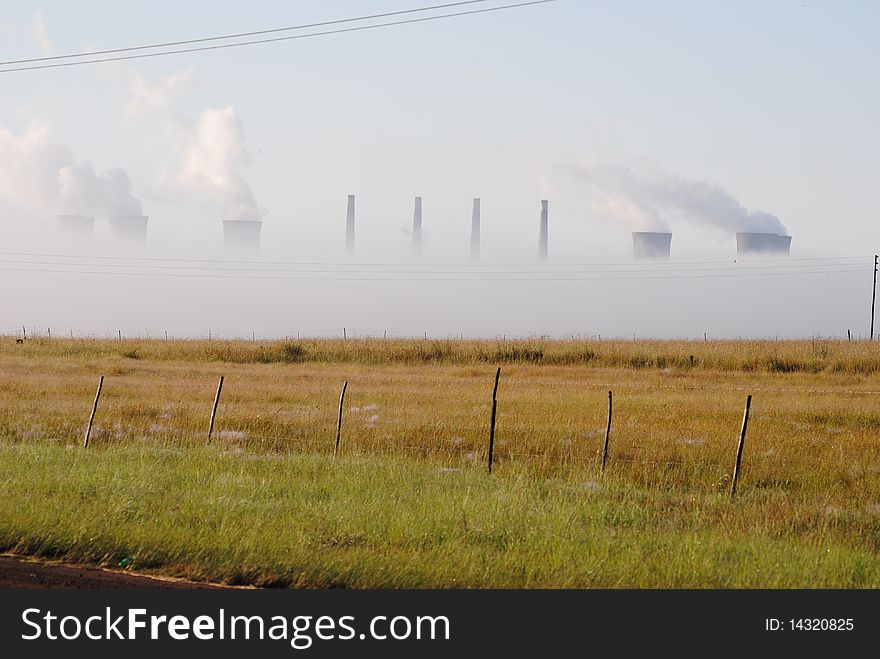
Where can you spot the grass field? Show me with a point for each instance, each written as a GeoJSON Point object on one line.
{"type": "Point", "coordinates": [408, 501]}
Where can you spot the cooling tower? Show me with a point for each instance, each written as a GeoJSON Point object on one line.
{"type": "Point", "coordinates": [762, 243]}
{"type": "Point", "coordinates": [80, 226]}
{"type": "Point", "coordinates": [242, 234]}
{"type": "Point", "coordinates": [475, 230]}
{"type": "Point", "coordinates": [651, 245]}
{"type": "Point", "coordinates": [542, 236]}
{"type": "Point", "coordinates": [349, 224]}
{"type": "Point", "coordinates": [417, 225]}
{"type": "Point", "coordinates": [129, 227]}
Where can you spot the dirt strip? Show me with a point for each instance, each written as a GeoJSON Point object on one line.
{"type": "Point", "coordinates": [17, 572]}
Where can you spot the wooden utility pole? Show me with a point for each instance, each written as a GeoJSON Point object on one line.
{"type": "Point", "coordinates": [339, 418]}
{"type": "Point", "coordinates": [492, 420]}
{"type": "Point", "coordinates": [874, 296]}
{"type": "Point", "coordinates": [92, 415]}
{"type": "Point", "coordinates": [607, 434]}
{"type": "Point", "coordinates": [739, 449]}
{"type": "Point", "coordinates": [214, 409]}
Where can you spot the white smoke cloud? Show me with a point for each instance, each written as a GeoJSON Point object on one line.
{"type": "Point", "coordinates": [79, 187]}
{"type": "Point", "coordinates": [146, 98]}
{"type": "Point", "coordinates": [207, 153]}
{"type": "Point", "coordinates": [648, 201]}
{"type": "Point", "coordinates": [209, 172]}
{"type": "Point", "coordinates": [41, 34]}
{"type": "Point", "coordinates": [38, 174]}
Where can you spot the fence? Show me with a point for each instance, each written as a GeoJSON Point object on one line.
{"type": "Point", "coordinates": [607, 454]}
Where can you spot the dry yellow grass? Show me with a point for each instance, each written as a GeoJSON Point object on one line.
{"type": "Point", "coordinates": [810, 483]}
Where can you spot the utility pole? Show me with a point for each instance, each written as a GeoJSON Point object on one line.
{"type": "Point", "coordinates": [874, 297]}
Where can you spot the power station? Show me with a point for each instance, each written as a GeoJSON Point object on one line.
{"type": "Point", "coordinates": [244, 234]}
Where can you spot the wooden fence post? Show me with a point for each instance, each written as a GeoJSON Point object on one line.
{"type": "Point", "coordinates": [92, 415]}
{"type": "Point", "coordinates": [339, 418]}
{"type": "Point", "coordinates": [214, 409]}
{"type": "Point", "coordinates": [492, 421]}
{"type": "Point", "coordinates": [607, 434]}
{"type": "Point", "coordinates": [739, 450]}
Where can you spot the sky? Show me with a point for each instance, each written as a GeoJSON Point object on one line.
{"type": "Point", "coordinates": [692, 117]}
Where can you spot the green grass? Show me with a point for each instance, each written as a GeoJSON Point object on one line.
{"type": "Point", "coordinates": [408, 502]}
{"type": "Point", "coordinates": [365, 521]}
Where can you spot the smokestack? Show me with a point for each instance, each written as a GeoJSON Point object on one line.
{"type": "Point", "coordinates": [349, 225]}
{"type": "Point", "coordinates": [80, 226]}
{"type": "Point", "coordinates": [242, 234]}
{"type": "Point", "coordinates": [651, 246]}
{"type": "Point", "coordinates": [762, 243]}
{"type": "Point", "coordinates": [129, 227]}
{"type": "Point", "coordinates": [542, 236]}
{"type": "Point", "coordinates": [417, 226]}
{"type": "Point", "coordinates": [475, 230]}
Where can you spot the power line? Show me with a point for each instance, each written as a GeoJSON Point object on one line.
{"type": "Point", "coordinates": [377, 269]}
{"type": "Point", "coordinates": [783, 262]}
{"type": "Point", "coordinates": [410, 279]}
{"type": "Point", "coordinates": [358, 28]}
{"type": "Point", "coordinates": [241, 35]}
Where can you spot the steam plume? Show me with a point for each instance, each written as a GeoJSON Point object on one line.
{"type": "Point", "coordinates": [38, 174]}
{"type": "Point", "coordinates": [647, 202]}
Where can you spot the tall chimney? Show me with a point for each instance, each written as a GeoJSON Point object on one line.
{"type": "Point", "coordinates": [349, 225]}
{"type": "Point", "coordinates": [417, 226]}
{"type": "Point", "coordinates": [542, 237]}
{"type": "Point", "coordinates": [475, 230]}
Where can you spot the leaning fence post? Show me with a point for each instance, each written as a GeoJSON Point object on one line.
{"type": "Point", "coordinates": [492, 421]}
{"type": "Point", "coordinates": [92, 415]}
{"type": "Point", "coordinates": [214, 410]}
{"type": "Point", "coordinates": [607, 434]}
{"type": "Point", "coordinates": [739, 450]}
{"type": "Point", "coordinates": [339, 418]}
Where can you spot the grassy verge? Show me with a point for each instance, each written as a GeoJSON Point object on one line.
{"type": "Point", "coordinates": [365, 521]}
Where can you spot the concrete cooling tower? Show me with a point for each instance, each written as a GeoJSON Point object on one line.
{"type": "Point", "coordinates": [80, 226]}
{"type": "Point", "coordinates": [651, 246]}
{"type": "Point", "coordinates": [132, 228]}
{"type": "Point", "coordinates": [762, 243]}
{"type": "Point", "coordinates": [242, 234]}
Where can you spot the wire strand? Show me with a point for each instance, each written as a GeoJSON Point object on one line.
{"type": "Point", "coordinates": [308, 35]}
{"type": "Point", "coordinates": [240, 35]}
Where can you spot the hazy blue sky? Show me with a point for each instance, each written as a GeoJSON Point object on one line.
{"type": "Point", "coordinates": [775, 102]}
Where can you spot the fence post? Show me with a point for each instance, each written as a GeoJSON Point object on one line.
{"type": "Point", "coordinates": [94, 411]}
{"type": "Point", "coordinates": [214, 410]}
{"type": "Point", "coordinates": [607, 434]}
{"type": "Point", "coordinates": [739, 450]}
{"type": "Point", "coordinates": [492, 421]}
{"type": "Point", "coordinates": [339, 418]}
